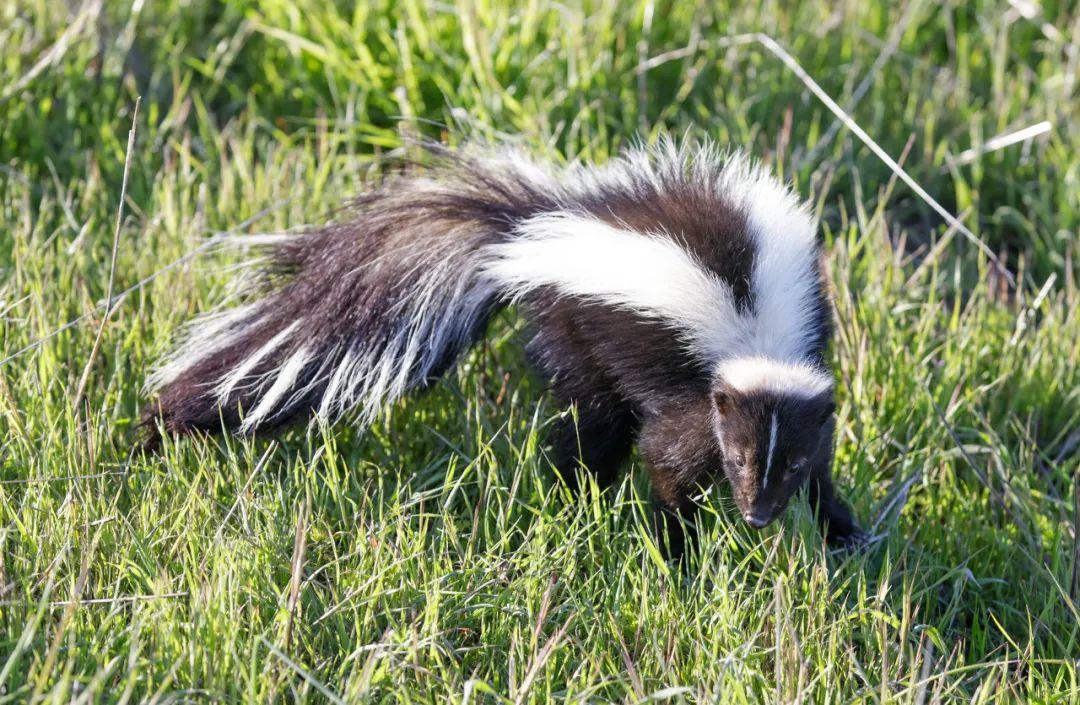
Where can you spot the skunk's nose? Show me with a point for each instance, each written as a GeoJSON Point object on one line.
{"type": "Point", "coordinates": [757, 520]}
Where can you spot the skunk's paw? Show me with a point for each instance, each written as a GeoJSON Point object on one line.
{"type": "Point", "coordinates": [854, 541]}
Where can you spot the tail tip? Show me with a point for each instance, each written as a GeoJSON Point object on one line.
{"type": "Point", "coordinates": [148, 431]}
{"type": "Point", "coordinates": [155, 424]}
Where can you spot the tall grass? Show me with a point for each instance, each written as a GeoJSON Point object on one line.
{"type": "Point", "coordinates": [431, 558]}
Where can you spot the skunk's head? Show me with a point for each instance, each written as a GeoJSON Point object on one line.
{"type": "Point", "coordinates": [774, 424]}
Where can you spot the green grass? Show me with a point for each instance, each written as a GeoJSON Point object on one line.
{"type": "Point", "coordinates": [431, 559]}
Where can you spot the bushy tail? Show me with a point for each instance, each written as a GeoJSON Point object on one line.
{"type": "Point", "coordinates": [354, 314]}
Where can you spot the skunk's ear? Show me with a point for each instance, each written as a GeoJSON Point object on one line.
{"type": "Point", "coordinates": [723, 398]}
{"type": "Point", "coordinates": [827, 410]}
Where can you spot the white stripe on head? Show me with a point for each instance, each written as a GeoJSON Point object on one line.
{"type": "Point", "coordinates": [651, 275]}
{"type": "Point", "coordinates": [800, 379]}
{"type": "Point", "coordinates": [772, 451]}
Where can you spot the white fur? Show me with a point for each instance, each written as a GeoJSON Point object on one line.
{"type": "Point", "coordinates": [283, 382]}
{"type": "Point", "coordinates": [648, 274]}
{"type": "Point", "coordinates": [772, 451]}
{"type": "Point", "coordinates": [784, 281]}
{"type": "Point", "coordinates": [202, 337]}
{"type": "Point", "coordinates": [241, 371]}
{"type": "Point", "coordinates": [747, 374]}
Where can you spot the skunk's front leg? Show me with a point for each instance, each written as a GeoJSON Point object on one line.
{"type": "Point", "coordinates": [673, 514]}
{"type": "Point", "coordinates": [833, 515]}
{"type": "Point", "coordinates": [682, 456]}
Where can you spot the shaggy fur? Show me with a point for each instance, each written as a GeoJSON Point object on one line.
{"type": "Point", "coordinates": [674, 296]}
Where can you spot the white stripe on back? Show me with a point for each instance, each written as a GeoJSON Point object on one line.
{"type": "Point", "coordinates": [655, 276]}
{"type": "Point", "coordinates": [648, 274]}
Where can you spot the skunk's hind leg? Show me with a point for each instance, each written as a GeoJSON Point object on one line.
{"type": "Point", "coordinates": [681, 454]}
{"type": "Point", "coordinates": [594, 437]}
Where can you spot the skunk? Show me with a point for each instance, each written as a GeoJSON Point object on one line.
{"type": "Point", "coordinates": [675, 297]}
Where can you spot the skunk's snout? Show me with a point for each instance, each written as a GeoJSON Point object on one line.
{"type": "Point", "coordinates": [757, 518]}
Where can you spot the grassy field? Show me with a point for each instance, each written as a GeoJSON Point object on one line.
{"type": "Point", "coordinates": [431, 559]}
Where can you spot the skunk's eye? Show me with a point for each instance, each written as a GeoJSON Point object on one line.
{"type": "Point", "coordinates": [796, 467]}
{"type": "Point", "coordinates": [740, 460]}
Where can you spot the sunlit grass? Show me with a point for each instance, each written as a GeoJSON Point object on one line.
{"type": "Point", "coordinates": [431, 559]}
